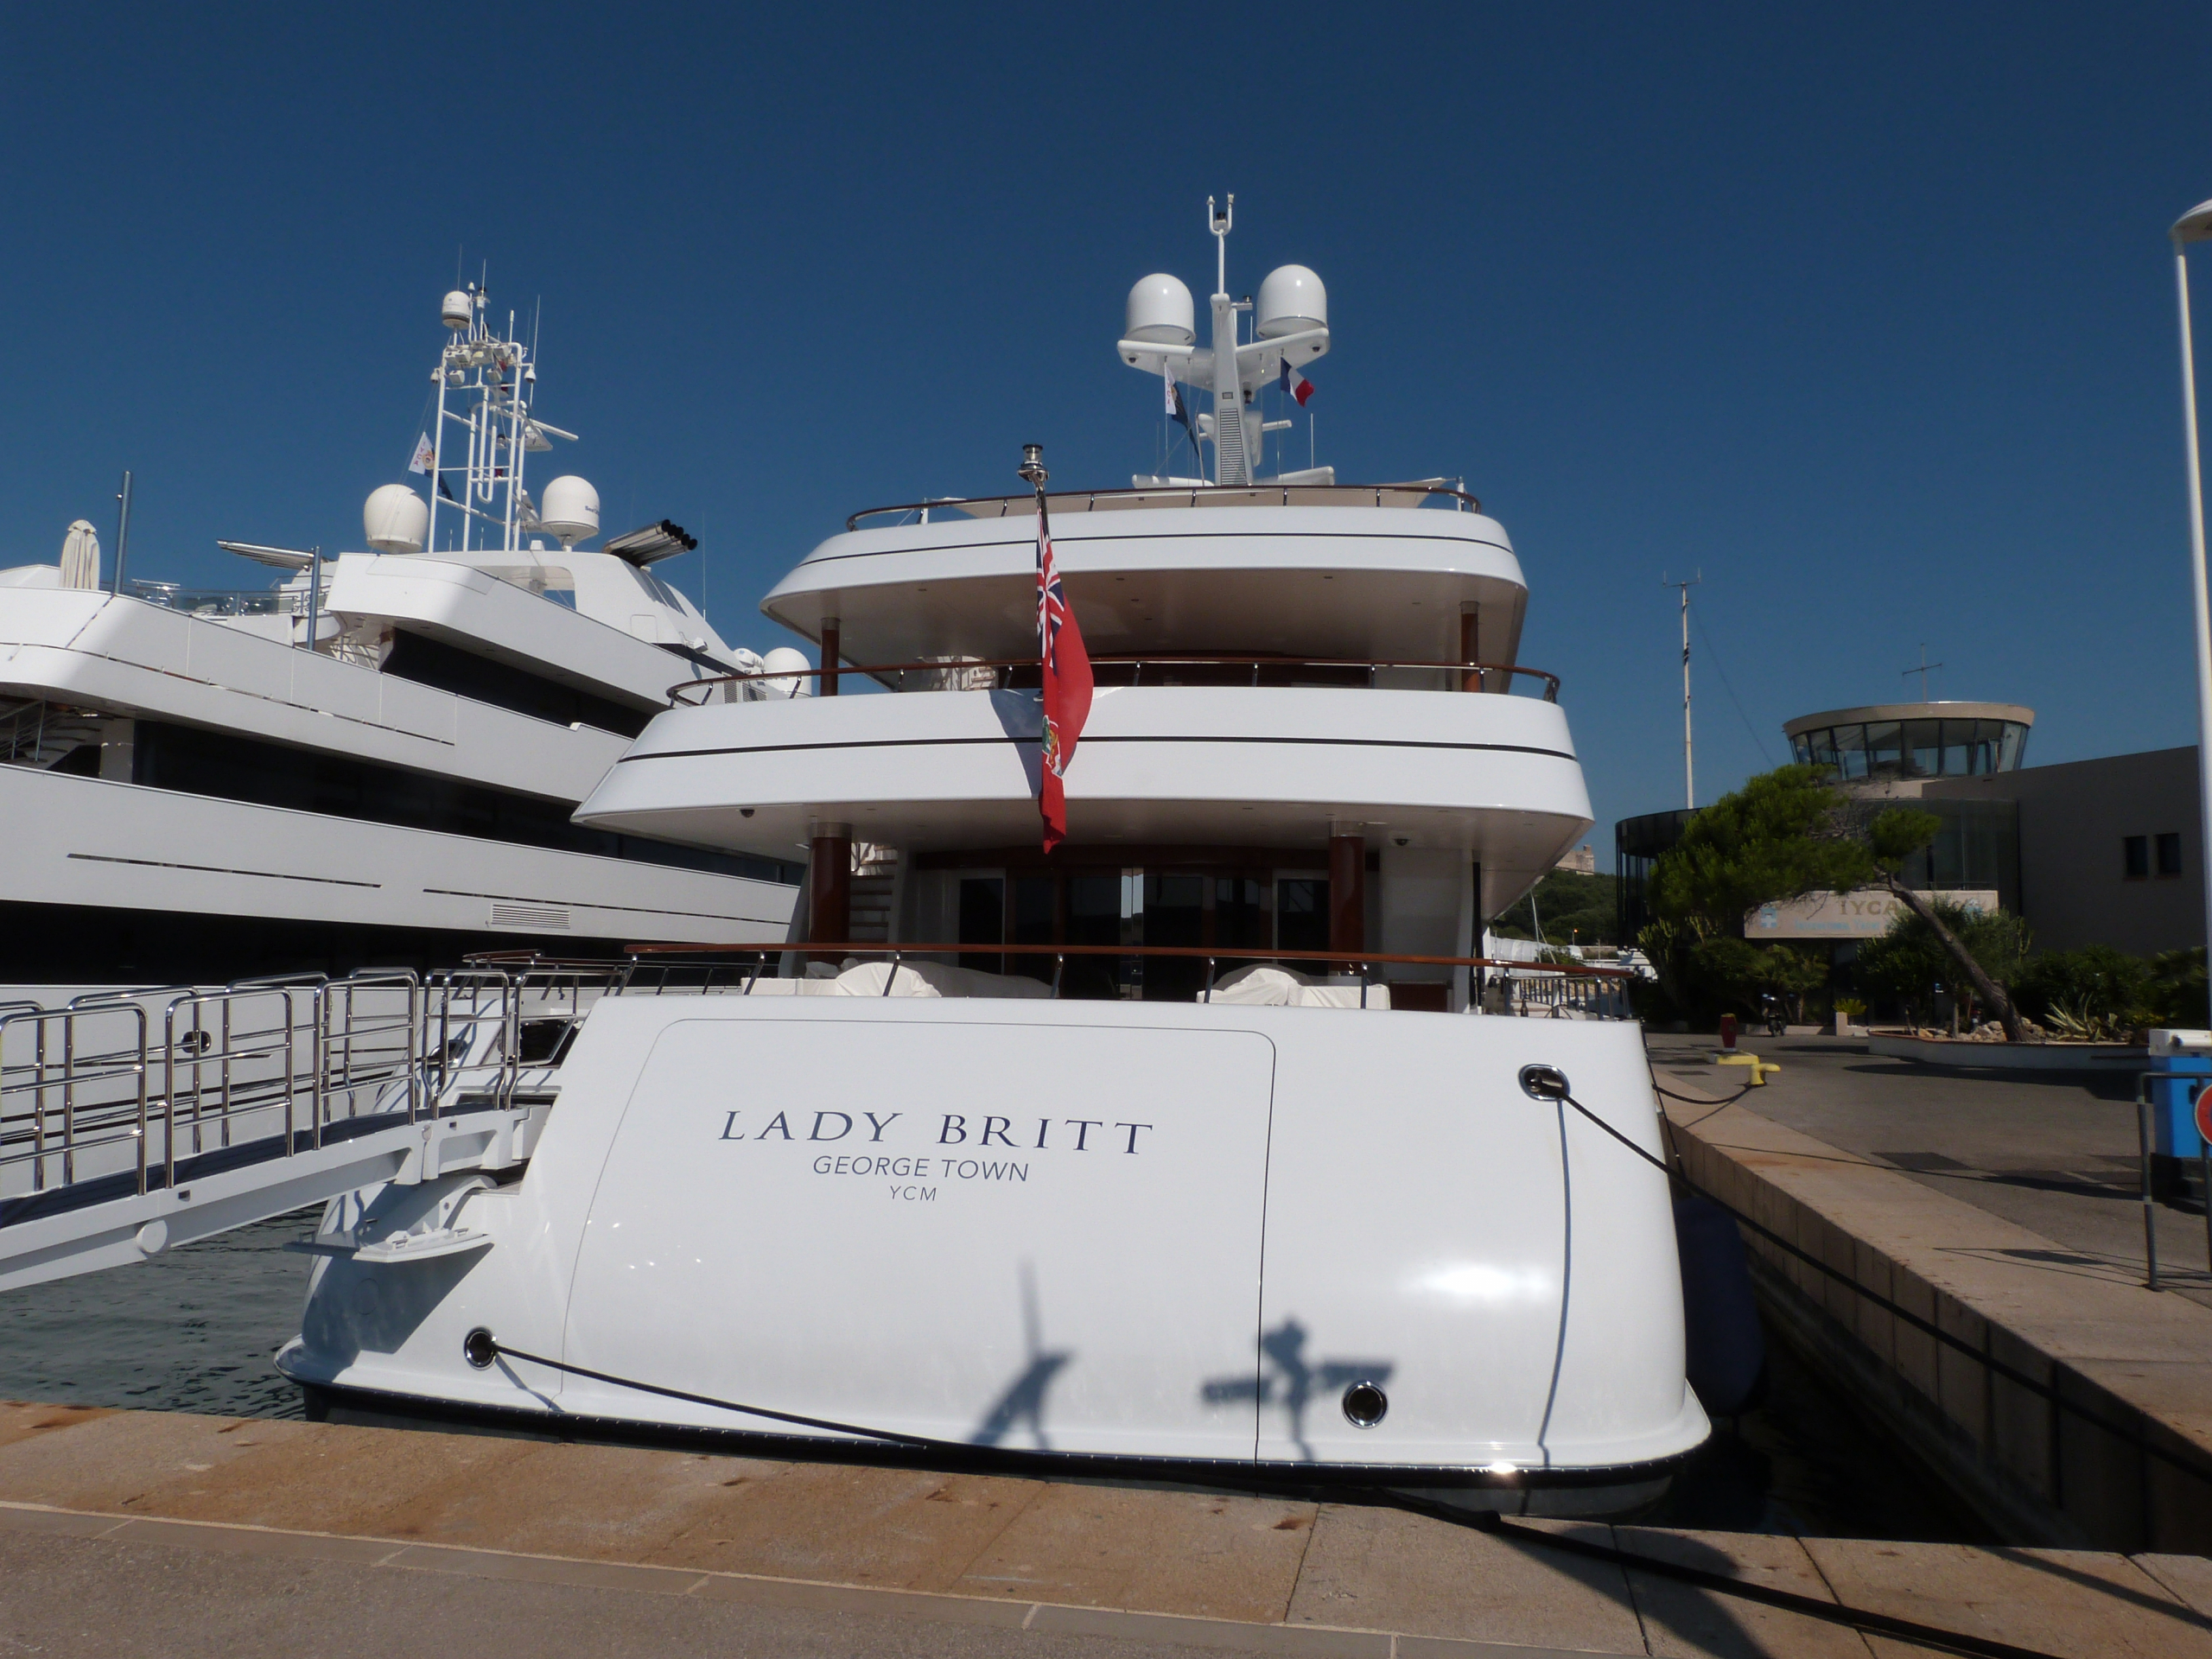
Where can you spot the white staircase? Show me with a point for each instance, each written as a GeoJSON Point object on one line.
{"type": "Point", "coordinates": [874, 893]}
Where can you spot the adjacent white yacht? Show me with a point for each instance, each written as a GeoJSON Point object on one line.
{"type": "Point", "coordinates": [1186, 1150]}
{"type": "Point", "coordinates": [375, 759]}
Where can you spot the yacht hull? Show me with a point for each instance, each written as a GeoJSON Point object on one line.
{"type": "Point", "coordinates": [1169, 1236]}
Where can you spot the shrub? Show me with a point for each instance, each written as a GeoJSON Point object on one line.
{"type": "Point", "coordinates": [2095, 983]}
{"type": "Point", "coordinates": [1906, 964]}
{"type": "Point", "coordinates": [2177, 989]}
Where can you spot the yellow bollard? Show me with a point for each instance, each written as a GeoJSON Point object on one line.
{"type": "Point", "coordinates": [1759, 1067]}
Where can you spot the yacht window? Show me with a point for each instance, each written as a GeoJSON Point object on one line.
{"type": "Point", "coordinates": [235, 768]}
{"type": "Point", "coordinates": [1302, 912]}
{"type": "Point", "coordinates": [983, 919]}
{"type": "Point", "coordinates": [432, 662]}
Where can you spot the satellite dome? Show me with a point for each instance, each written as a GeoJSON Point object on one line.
{"type": "Point", "coordinates": [790, 663]}
{"type": "Point", "coordinates": [1292, 300]}
{"type": "Point", "coordinates": [1160, 312]}
{"type": "Point", "coordinates": [458, 311]}
{"type": "Point", "coordinates": [395, 519]}
{"type": "Point", "coordinates": [571, 510]}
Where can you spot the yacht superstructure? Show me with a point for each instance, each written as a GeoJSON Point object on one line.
{"type": "Point", "coordinates": [375, 759]}
{"type": "Point", "coordinates": [1187, 1149]}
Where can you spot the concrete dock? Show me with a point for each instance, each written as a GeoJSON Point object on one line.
{"type": "Point", "coordinates": [126, 1533]}
{"type": "Point", "coordinates": [1967, 1252]}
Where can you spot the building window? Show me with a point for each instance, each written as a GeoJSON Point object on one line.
{"type": "Point", "coordinates": [2169, 854]}
{"type": "Point", "coordinates": [2135, 850]}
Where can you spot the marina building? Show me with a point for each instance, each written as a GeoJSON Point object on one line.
{"type": "Point", "coordinates": [2090, 852]}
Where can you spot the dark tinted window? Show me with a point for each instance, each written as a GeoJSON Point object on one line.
{"type": "Point", "coordinates": [2169, 854]}
{"type": "Point", "coordinates": [433, 663]}
{"type": "Point", "coordinates": [2135, 853]}
{"type": "Point", "coordinates": [232, 768]}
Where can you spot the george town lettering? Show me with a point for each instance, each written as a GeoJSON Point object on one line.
{"type": "Point", "coordinates": [1082, 1135]}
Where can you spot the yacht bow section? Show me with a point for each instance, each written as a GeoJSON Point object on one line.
{"type": "Point", "coordinates": [1493, 776]}
{"type": "Point", "coordinates": [1343, 580]}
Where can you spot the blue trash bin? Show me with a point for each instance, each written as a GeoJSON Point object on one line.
{"type": "Point", "coordinates": [2173, 1104]}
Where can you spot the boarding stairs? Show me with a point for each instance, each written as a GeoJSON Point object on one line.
{"type": "Point", "coordinates": [874, 895]}
{"type": "Point", "coordinates": [134, 1123]}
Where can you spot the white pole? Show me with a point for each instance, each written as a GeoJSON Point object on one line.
{"type": "Point", "coordinates": [2197, 577]}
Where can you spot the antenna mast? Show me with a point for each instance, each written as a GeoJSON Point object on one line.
{"type": "Point", "coordinates": [1924, 670]}
{"type": "Point", "coordinates": [1689, 772]}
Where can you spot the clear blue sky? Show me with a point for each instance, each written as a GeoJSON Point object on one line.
{"type": "Point", "coordinates": [1864, 310]}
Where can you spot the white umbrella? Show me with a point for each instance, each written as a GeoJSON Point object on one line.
{"type": "Point", "coordinates": [80, 556]}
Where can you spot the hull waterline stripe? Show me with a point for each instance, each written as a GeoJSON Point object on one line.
{"type": "Point", "coordinates": [971, 742]}
{"type": "Point", "coordinates": [1360, 1478]}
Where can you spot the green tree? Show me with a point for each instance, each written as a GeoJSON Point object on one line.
{"type": "Point", "coordinates": [1785, 834]}
{"type": "Point", "coordinates": [1909, 961]}
{"type": "Point", "coordinates": [1573, 908]}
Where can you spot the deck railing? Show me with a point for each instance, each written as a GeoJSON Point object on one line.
{"type": "Point", "coordinates": [1164, 668]}
{"type": "Point", "coordinates": [123, 1088]}
{"type": "Point", "coordinates": [1414, 493]}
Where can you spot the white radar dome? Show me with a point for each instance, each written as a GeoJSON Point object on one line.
{"type": "Point", "coordinates": [1160, 312]}
{"type": "Point", "coordinates": [458, 311]}
{"type": "Point", "coordinates": [790, 663]}
{"type": "Point", "coordinates": [395, 519]}
{"type": "Point", "coordinates": [1292, 300]}
{"type": "Point", "coordinates": [570, 510]}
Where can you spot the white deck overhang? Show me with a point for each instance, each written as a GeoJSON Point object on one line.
{"type": "Point", "coordinates": [1491, 775]}
{"type": "Point", "coordinates": [1376, 583]}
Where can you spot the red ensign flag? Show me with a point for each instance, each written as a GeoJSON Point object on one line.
{"type": "Point", "coordinates": [1067, 684]}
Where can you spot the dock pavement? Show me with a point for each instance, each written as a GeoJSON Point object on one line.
{"type": "Point", "coordinates": [1964, 1251]}
{"type": "Point", "coordinates": [126, 1533]}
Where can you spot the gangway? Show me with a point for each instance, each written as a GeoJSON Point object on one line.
{"type": "Point", "coordinates": [133, 1123]}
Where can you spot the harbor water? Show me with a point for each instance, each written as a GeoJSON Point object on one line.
{"type": "Point", "coordinates": [195, 1330]}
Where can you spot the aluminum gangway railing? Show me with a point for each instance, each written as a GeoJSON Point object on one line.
{"type": "Point", "coordinates": [131, 1123]}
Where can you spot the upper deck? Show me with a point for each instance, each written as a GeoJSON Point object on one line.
{"type": "Point", "coordinates": [1378, 573]}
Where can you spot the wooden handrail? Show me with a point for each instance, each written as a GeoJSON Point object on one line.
{"type": "Point", "coordinates": [1218, 953]}
{"type": "Point", "coordinates": [1473, 671]}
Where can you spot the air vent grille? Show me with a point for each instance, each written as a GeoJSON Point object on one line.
{"type": "Point", "coordinates": [541, 917]}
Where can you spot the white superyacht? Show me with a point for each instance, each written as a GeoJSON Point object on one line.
{"type": "Point", "coordinates": [375, 760]}
{"type": "Point", "coordinates": [1183, 1150]}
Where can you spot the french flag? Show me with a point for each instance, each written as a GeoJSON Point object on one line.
{"type": "Point", "coordinates": [1295, 385]}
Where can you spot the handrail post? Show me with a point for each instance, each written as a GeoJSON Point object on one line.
{"type": "Point", "coordinates": [2150, 1205]}
{"type": "Point", "coordinates": [142, 1104]}
{"type": "Point", "coordinates": [318, 1051]}
{"type": "Point", "coordinates": [1208, 997]}
{"type": "Point", "coordinates": [1060, 966]}
{"type": "Point", "coordinates": [893, 974]}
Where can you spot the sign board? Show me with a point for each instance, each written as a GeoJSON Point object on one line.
{"type": "Point", "coordinates": [1864, 914]}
